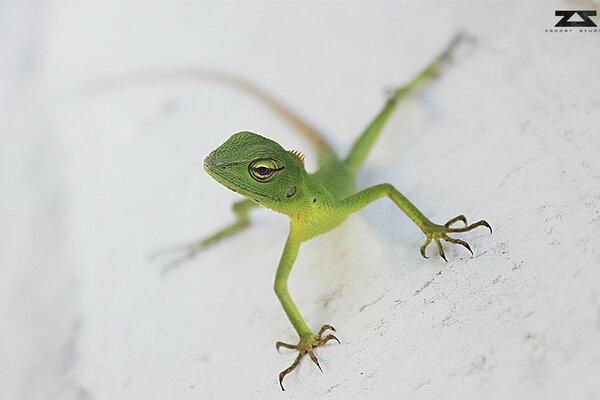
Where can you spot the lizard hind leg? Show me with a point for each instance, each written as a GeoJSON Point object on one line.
{"type": "Point", "coordinates": [366, 140]}
{"type": "Point", "coordinates": [188, 251]}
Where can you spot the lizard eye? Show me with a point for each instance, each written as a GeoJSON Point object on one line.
{"type": "Point", "coordinates": [262, 170]}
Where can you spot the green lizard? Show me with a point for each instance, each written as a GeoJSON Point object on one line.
{"type": "Point", "coordinates": [268, 175]}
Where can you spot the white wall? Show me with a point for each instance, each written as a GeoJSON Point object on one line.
{"type": "Point", "coordinates": [95, 181]}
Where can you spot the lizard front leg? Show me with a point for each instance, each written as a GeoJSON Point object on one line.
{"type": "Point", "coordinates": [308, 340]}
{"type": "Point", "coordinates": [432, 231]}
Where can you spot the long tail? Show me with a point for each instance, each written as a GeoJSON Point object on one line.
{"type": "Point", "coordinates": [363, 144]}
{"type": "Point", "coordinates": [323, 148]}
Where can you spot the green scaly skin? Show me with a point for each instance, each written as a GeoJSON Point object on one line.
{"type": "Point", "coordinates": [268, 175]}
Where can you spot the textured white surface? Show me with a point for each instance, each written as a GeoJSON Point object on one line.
{"type": "Point", "coordinates": [92, 184]}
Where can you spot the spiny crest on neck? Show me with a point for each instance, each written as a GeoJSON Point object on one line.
{"type": "Point", "coordinates": [298, 155]}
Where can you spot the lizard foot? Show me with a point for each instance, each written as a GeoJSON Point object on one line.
{"type": "Point", "coordinates": [181, 254]}
{"type": "Point", "coordinates": [440, 232]}
{"type": "Point", "coordinates": [305, 346]}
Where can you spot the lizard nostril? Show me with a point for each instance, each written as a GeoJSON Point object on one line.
{"type": "Point", "coordinates": [209, 162]}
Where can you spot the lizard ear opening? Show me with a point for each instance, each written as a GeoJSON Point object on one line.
{"type": "Point", "coordinates": [291, 192]}
{"type": "Point", "coordinates": [298, 155]}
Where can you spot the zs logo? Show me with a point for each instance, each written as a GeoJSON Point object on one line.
{"type": "Point", "coordinates": [583, 14]}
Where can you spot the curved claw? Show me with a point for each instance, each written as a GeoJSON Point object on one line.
{"type": "Point", "coordinates": [484, 223]}
{"type": "Point", "coordinates": [327, 339]}
{"type": "Point", "coordinates": [456, 219]}
{"type": "Point", "coordinates": [323, 329]}
{"type": "Point", "coordinates": [313, 358]}
{"type": "Point", "coordinates": [424, 247]}
{"type": "Point", "coordinates": [471, 227]}
{"type": "Point", "coordinates": [440, 249]}
{"type": "Point", "coordinates": [458, 241]}
{"type": "Point", "coordinates": [289, 369]}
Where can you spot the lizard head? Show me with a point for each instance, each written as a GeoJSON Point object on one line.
{"type": "Point", "coordinates": [260, 170]}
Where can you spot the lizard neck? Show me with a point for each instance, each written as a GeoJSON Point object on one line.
{"type": "Point", "coordinates": [317, 214]}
